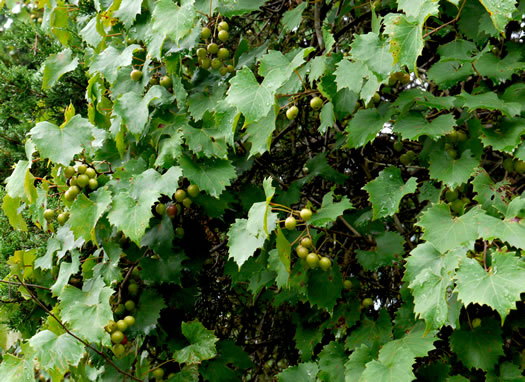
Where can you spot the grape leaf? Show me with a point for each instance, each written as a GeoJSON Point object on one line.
{"type": "Point", "coordinates": [108, 266]}
{"type": "Point", "coordinates": [389, 247]}
{"type": "Point", "coordinates": [437, 223]}
{"type": "Point", "coordinates": [172, 20]}
{"type": "Point", "coordinates": [371, 50]}
{"type": "Point", "coordinates": [499, 70]}
{"type": "Point", "coordinates": [449, 73]}
{"type": "Point", "coordinates": [387, 190]}
{"type": "Point", "coordinates": [452, 172]}
{"type": "Point", "coordinates": [364, 127]}
{"type": "Point", "coordinates": [415, 125]}
{"type": "Point", "coordinates": [500, 12]}
{"type": "Point", "coordinates": [200, 102]}
{"type": "Point", "coordinates": [490, 195]}
{"type": "Point", "coordinates": [56, 65]}
{"type": "Point", "coordinates": [248, 96]}
{"type": "Point", "coordinates": [331, 363]}
{"type": "Point", "coordinates": [170, 148]}
{"type": "Point", "coordinates": [205, 141]}
{"type": "Point", "coordinates": [211, 175]}
{"type": "Point", "coordinates": [397, 357]}
{"type": "Point", "coordinates": [499, 287]}
{"type": "Point", "coordinates": [291, 19]}
{"type": "Point", "coordinates": [329, 211]}
{"type": "Point", "coordinates": [66, 271]}
{"type": "Point", "coordinates": [148, 311]}
{"type": "Point", "coordinates": [371, 333]}
{"type": "Point", "coordinates": [128, 11]}
{"type": "Point", "coordinates": [489, 101]}
{"type": "Point", "coordinates": [18, 369]}
{"type": "Point", "coordinates": [355, 365]}
{"type": "Point", "coordinates": [15, 182]}
{"type": "Point", "coordinates": [304, 372]}
{"type": "Point", "coordinates": [260, 133]}
{"type": "Point", "coordinates": [418, 8]}
{"type": "Point", "coordinates": [56, 352]}
{"type": "Point", "coordinates": [327, 117]}
{"type": "Point", "coordinates": [325, 287]}
{"type": "Point", "coordinates": [241, 243]}
{"type": "Point", "coordinates": [480, 347]}
{"type": "Point", "coordinates": [276, 68]}
{"type": "Point", "coordinates": [111, 59]}
{"type": "Point", "coordinates": [350, 75]}
{"type": "Point", "coordinates": [61, 144]}
{"type": "Point", "coordinates": [91, 304]}
{"type": "Point", "coordinates": [166, 269]}
{"type": "Point", "coordinates": [10, 207]}
{"type": "Point", "coordinates": [505, 136]}
{"type": "Point", "coordinates": [405, 37]}
{"type": "Point", "coordinates": [160, 237]}
{"type": "Point", "coordinates": [202, 343]}
{"type": "Point", "coordinates": [85, 213]}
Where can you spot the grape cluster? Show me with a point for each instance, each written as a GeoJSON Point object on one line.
{"type": "Point", "coordinates": [514, 165]}
{"type": "Point", "coordinates": [453, 139]}
{"type": "Point", "coordinates": [457, 199]}
{"type": "Point", "coordinates": [215, 53]}
{"type": "Point", "coordinates": [182, 198]}
{"type": "Point", "coordinates": [81, 178]}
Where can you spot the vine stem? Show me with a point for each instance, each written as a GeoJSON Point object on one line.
{"type": "Point", "coordinates": [100, 353]}
{"type": "Point", "coordinates": [447, 23]}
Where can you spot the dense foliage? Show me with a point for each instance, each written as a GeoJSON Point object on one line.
{"type": "Point", "coordinates": [259, 190]}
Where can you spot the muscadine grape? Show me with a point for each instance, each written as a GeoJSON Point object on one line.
{"type": "Point", "coordinates": [519, 167]}
{"type": "Point", "coordinates": [451, 195]}
{"type": "Point", "coordinates": [462, 137]}
{"type": "Point", "coordinates": [292, 112]}
{"type": "Point", "coordinates": [73, 181]}
{"type": "Point", "coordinates": [118, 349]}
{"type": "Point", "coordinates": [160, 208]}
{"type": "Point", "coordinates": [376, 97]}
{"type": "Point", "coordinates": [212, 48]}
{"type": "Point", "coordinates": [476, 322]}
{"type": "Point", "coordinates": [166, 82]}
{"type": "Point", "coordinates": [316, 103]}
{"type": "Point", "coordinates": [205, 33]}
{"type": "Point", "coordinates": [301, 251]}
{"type": "Point", "coordinates": [179, 195]}
{"type": "Point", "coordinates": [82, 180]}
{"type": "Point", "coordinates": [201, 53]}
{"type": "Point", "coordinates": [216, 63]}
{"type": "Point", "coordinates": [129, 305]}
{"type": "Point", "coordinates": [223, 25]}
{"type": "Point", "coordinates": [121, 325]}
{"type": "Point", "coordinates": [171, 211]}
{"type": "Point", "coordinates": [405, 159]}
{"type": "Point", "coordinates": [153, 81]}
{"type": "Point", "coordinates": [508, 164]}
{"type": "Point", "coordinates": [456, 205]}
{"type": "Point", "coordinates": [193, 190]}
{"type": "Point", "coordinates": [91, 172]}
{"type": "Point", "coordinates": [223, 35]}
{"type": "Point", "coordinates": [313, 260]}
{"type": "Point", "coordinates": [135, 75]}
{"type": "Point", "coordinates": [117, 337]}
{"type": "Point", "coordinates": [452, 153]}
{"type": "Point", "coordinates": [179, 232]}
{"type": "Point", "coordinates": [69, 171]}
{"type": "Point", "coordinates": [93, 184]}
{"type": "Point", "coordinates": [111, 326]}
{"type": "Point", "coordinates": [81, 168]}
{"type": "Point", "coordinates": [290, 223]}
{"type": "Point", "coordinates": [133, 289]}
{"type": "Point", "coordinates": [230, 68]}
{"type": "Point", "coordinates": [223, 71]}
{"type": "Point", "coordinates": [69, 196]}
{"type": "Point", "coordinates": [325, 263]}
{"type": "Point", "coordinates": [129, 320]}
{"type": "Point", "coordinates": [62, 218]}
{"type": "Point", "coordinates": [306, 242]}
{"type": "Point", "coordinates": [49, 214]}
{"type": "Point", "coordinates": [347, 284]}
{"type": "Point", "coordinates": [306, 214]}
{"type": "Point", "coordinates": [119, 309]}
{"type": "Point", "coordinates": [398, 146]}
{"type": "Point", "coordinates": [135, 273]}
{"type": "Point", "coordinates": [223, 53]}
{"type": "Point", "coordinates": [367, 302]}
{"type": "Point", "coordinates": [186, 202]}
{"type": "Point", "coordinates": [158, 373]}
{"type": "Point", "coordinates": [205, 63]}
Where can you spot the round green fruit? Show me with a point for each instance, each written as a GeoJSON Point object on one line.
{"type": "Point", "coordinates": [347, 284]}
{"type": "Point", "coordinates": [153, 81]}
{"type": "Point", "coordinates": [405, 159]}
{"type": "Point", "coordinates": [121, 325]}
{"type": "Point", "coordinates": [69, 196]}
{"type": "Point", "coordinates": [81, 168]}
{"type": "Point", "coordinates": [82, 180]}
{"type": "Point", "coordinates": [179, 232]}
{"type": "Point", "coordinates": [73, 181]}
{"type": "Point", "coordinates": [212, 48]}
{"type": "Point", "coordinates": [306, 214]}
{"type": "Point", "coordinates": [519, 167]}
{"type": "Point", "coordinates": [216, 63]}
{"type": "Point", "coordinates": [187, 202]}
{"type": "Point", "coordinates": [62, 218]}
{"type": "Point", "coordinates": [193, 190]}
{"type": "Point", "coordinates": [91, 172]}
{"type": "Point", "coordinates": [292, 112]}
{"type": "Point", "coordinates": [223, 54]}
{"type": "Point", "coordinates": [290, 223]}
{"type": "Point", "coordinates": [166, 82]}
{"type": "Point", "coordinates": [223, 25]}
{"type": "Point", "coordinates": [111, 326]}
{"type": "Point", "coordinates": [205, 63]}
{"type": "Point", "coordinates": [117, 337]}
{"type": "Point", "coordinates": [160, 208]}
{"type": "Point", "coordinates": [119, 309]}
{"type": "Point", "coordinates": [325, 263]}
{"type": "Point", "coordinates": [129, 320]}
{"type": "Point", "coordinates": [205, 33]}
{"type": "Point", "coordinates": [508, 164]}
{"type": "Point", "coordinates": [69, 171]}
{"type": "Point", "coordinates": [230, 68]}
{"type": "Point", "coordinates": [202, 53]}
{"type": "Point", "coordinates": [367, 302]}
{"type": "Point", "coordinates": [462, 137]}
{"type": "Point", "coordinates": [476, 322]}
{"type": "Point", "coordinates": [129, 305]}
{"type": "Point", "coordinates": [49, 214]}
{"type": "Point", "coordinates": [451, 195]}
{"type": "Point", "coordinates": [456, 205]}
{"type": "Point", "coordinates": [118, 349]}
{"type": "Point", "coordinates": [135, 273]}
{"type": "Point", "coordinates": [93, 184]}
{"type": "Point", "coordinates": [133, 289]}
{"type": "Point", "coordinates": [179, 195]}
{"type": "Point", "coordinates": [398, 146]}
{"type": "Point", "coordinates": [223, 71]}
{"type": "Point", "coordinates": [158, 373]}
{"type": "Point", "coordinates": [135, 75]}
{"type": "Point", "coordinates": [452, 153]}
{"type": "Point", "coordinates": [376, 97]}
{"type": "Point", "coordinates": [171, 211]}
{"type": "Point", "coordinates": [316, 103]}
{"type": "Point", "coordinates": [301, 251]}
{"type": "Point", "coordinates": [312, 260]}
{"type": "Point", "coordinates": [306, 242]}
{"type": "Point", "coordinates": [223, 35]}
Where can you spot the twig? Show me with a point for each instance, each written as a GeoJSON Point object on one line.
{"type": "Point", "coordinates": [447, 23]}
{"type": "Point", "coordinates": [317, 25]}
{"type": "Point", "coordinates": [24, 284]}
{"type": "Point", "coordinates": [108, 360]}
